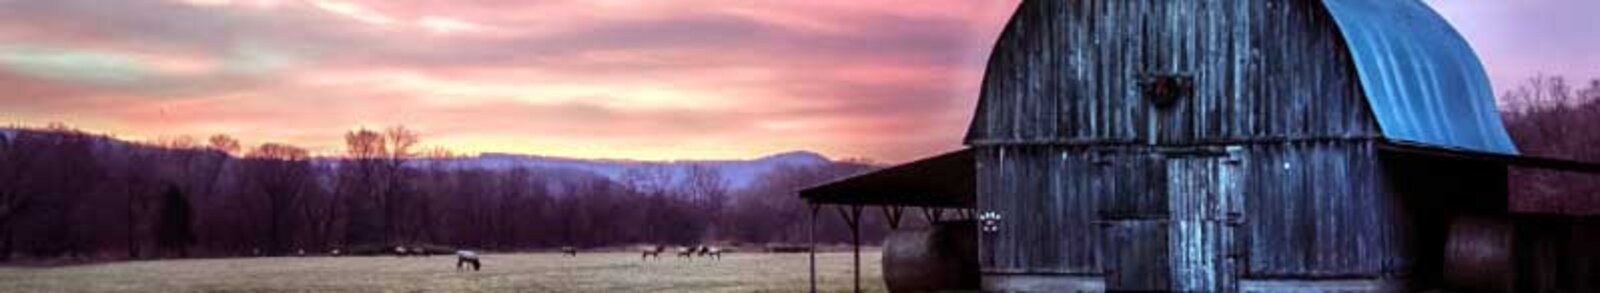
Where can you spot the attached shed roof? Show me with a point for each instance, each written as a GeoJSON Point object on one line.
{"type": "Point", "coordinates": [944, 181]}
{"type": "Point", "coordinates": [1423, 81]}
{"type": "Point", "coordinates": [1524, 161]}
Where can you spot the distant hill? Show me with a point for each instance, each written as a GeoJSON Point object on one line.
{"type": "Point", "coordinates": [738, 173]}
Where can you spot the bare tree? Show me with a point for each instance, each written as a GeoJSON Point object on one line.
{"type": "Point", "coordinates": [137, 185]}
{"type": "Point", "coordinates": [322, 210]}
{"type": "Point", "coordinates": [224, 143]}
{"type": "Point", "coordinates": [67, 193]}
{"type": "Point", "coordinates": [1552, 119]}
{"type": "Point", "coordinates": [376, 173]}
{"type": "Point", "coordinates": [397, 192]}
{"type": "Point", "coordinates": [432, 189]}
{"type": "Point", "coordinates": [514, 186]}
{"type": "Point", "coordinates": [362, 179]}
{"type": "Point", "coordinates": [708, 190]}
{"type": "Point", "coordinates": [281, 172]}
{"type": "Point", "coordinates": [17, 159]}
{"type": "Point", "coordinates": [706, 186]}
{"type": "Point", "coordinates": [649, 179]}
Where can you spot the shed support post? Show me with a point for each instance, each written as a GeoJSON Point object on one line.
{"type": "Point", "coordinates": [852, 218]}
{"type": "Point", "coordinates": [855, 236]}
{"type": "Point", "coordinates": [893, 214]}
{"type": "Point", "coordinates": [934, 215]}
{"type": "Point", "coordinates": [812, 236]}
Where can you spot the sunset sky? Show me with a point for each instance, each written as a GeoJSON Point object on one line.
{"type": "Point", "coordinates": [885, 80]}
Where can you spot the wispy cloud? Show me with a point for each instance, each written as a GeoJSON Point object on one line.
{"type": "Point", "coordinates": [353, 11]}
{"type": "Point", "coordinates": [678, 79]}
{"type": "Point", "coordinates": [889, 80]}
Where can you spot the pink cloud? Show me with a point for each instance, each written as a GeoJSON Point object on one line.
{"type": "Point", "coordinates": [660, 80]}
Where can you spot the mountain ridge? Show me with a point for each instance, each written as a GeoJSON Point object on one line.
{"type": "Point", "coordinates": [737, 173]}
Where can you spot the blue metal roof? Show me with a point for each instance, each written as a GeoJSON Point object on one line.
{"type": "Point", "coordinates": [1422, 80]}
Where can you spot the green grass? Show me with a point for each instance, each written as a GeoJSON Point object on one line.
{"type": "Point", "coordinates": [535, 272]}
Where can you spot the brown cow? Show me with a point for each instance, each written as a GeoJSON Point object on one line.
{"type": "Point", "coordinates": [652, 251]}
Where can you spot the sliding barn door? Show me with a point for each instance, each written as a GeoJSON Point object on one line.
{"type": "Point", "coordinates": [1205, 207]}
{"type": "Point", "coordinates": [1192, 244]}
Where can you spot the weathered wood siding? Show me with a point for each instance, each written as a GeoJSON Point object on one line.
{"type": "Point", "coordinates": [1094, 179]}
{"type": "Point", "coordinates": [1206, 214]}
{"type": "Point", "coordinates": [1310, 209]}
{"type": "Point", "coordinates": [1049, 225]}
{"type": "Point", "coordinates": [1069, 72]}
{"type": "Point", "coordinates": [1319, 209]}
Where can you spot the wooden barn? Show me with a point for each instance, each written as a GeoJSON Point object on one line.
{"type": "Point", "coordinates": [1226, 146]}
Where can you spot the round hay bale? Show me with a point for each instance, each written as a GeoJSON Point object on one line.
{"type": "Point", "coordinates": [943, 258]}
{"type": "Point", "coordinates": [1479, 255]}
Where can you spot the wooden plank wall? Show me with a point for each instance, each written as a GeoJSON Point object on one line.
{"type": "Point", "coordinates": [1068, 72]}
{"type": "Point", "coordinates": [1319, 210]}
{"type": "Point", "coordinates": [1070, 149]}
{"type": "Point", "coordinates": [1049, 224]}
{"type": "Point", "coordinates": [1203, 242]}
{"type": "Point", "coordinates": [1311, 209]}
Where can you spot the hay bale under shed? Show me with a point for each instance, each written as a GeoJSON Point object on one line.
{"type": "Point", "coordinates": [943, 258]}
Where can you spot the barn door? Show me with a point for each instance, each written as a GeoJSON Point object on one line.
{"type": "Point", "coordinates": [1137, 256]}
{"type": "Point", "coordinates": [1205, 208]}
{"type": "Point", "coordinates": [1191, 243]}
{"type": "Point", "coordinates": [1134, 250]}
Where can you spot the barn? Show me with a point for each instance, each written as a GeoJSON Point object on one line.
{"type": "Point", "coordinates": [1226, 146]}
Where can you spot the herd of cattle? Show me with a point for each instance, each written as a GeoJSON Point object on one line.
{"type": "Point", "coordinates": [688, 252]}
{"type": "Point", "coordinates": [655, 251]}
{"type": "Point", "coordinates": [468, 258]}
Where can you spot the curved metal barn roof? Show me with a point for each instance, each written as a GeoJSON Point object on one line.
{"type": "Point", "coordinates": [1422, 80]}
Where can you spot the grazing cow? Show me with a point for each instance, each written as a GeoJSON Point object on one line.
{"type": "Point", "coordinates": [652, 251]}
{"type": "Point", "coordinates": [466, 257]}
{"type": "Point", "coordinates": [569, 251]}
{"type": "Point", "coordinates": [686, 252]}
{"type": "Point", "coordinates": [712, 252]}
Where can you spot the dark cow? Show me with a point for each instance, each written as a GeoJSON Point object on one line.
{"type": "Point", "coordinates": [467, 257]}
{"type": "Point", "coordinates": [652, 251]}
{"type": "Point", "coordinates": [711, 252]}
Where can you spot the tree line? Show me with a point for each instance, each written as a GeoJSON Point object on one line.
{"type": "Point", "coordinates": [69, 194]}
{"type": "Point", "coordinates": [66, 193]}
{"type": "Point", "coordinates": [1548, 116]}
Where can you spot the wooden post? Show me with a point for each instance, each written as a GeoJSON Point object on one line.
{"type": "Point", "coordinates": [855, 230]}
{"type": "Point", "coordinates": [852, 218]}
{"type": "Point", "coordinates": [813, 249]}
{"type": "Point", "coordinates": [893, 214]}
{"type": "Point", "coordinates": [933, 215]}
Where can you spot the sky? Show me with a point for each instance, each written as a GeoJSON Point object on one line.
{"type": "Point", "coordinates": [1521, 39]}
{"type": "Point", "coordinates": [883, 80]}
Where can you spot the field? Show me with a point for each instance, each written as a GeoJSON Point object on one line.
{"type": "Point", "coordinates": [532, 272]}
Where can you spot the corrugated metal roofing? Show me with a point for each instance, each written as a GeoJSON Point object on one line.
{"type": "Point", "coordinates": [1422, 80]}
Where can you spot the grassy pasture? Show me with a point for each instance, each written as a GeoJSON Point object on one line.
{"type": "Point", "coordinates": [528, 272]}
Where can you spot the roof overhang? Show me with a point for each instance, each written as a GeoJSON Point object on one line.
{"type": "Point", "coordinates": [944, 181]}
{"type": "Point", "coordinates": [1524, 161]}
